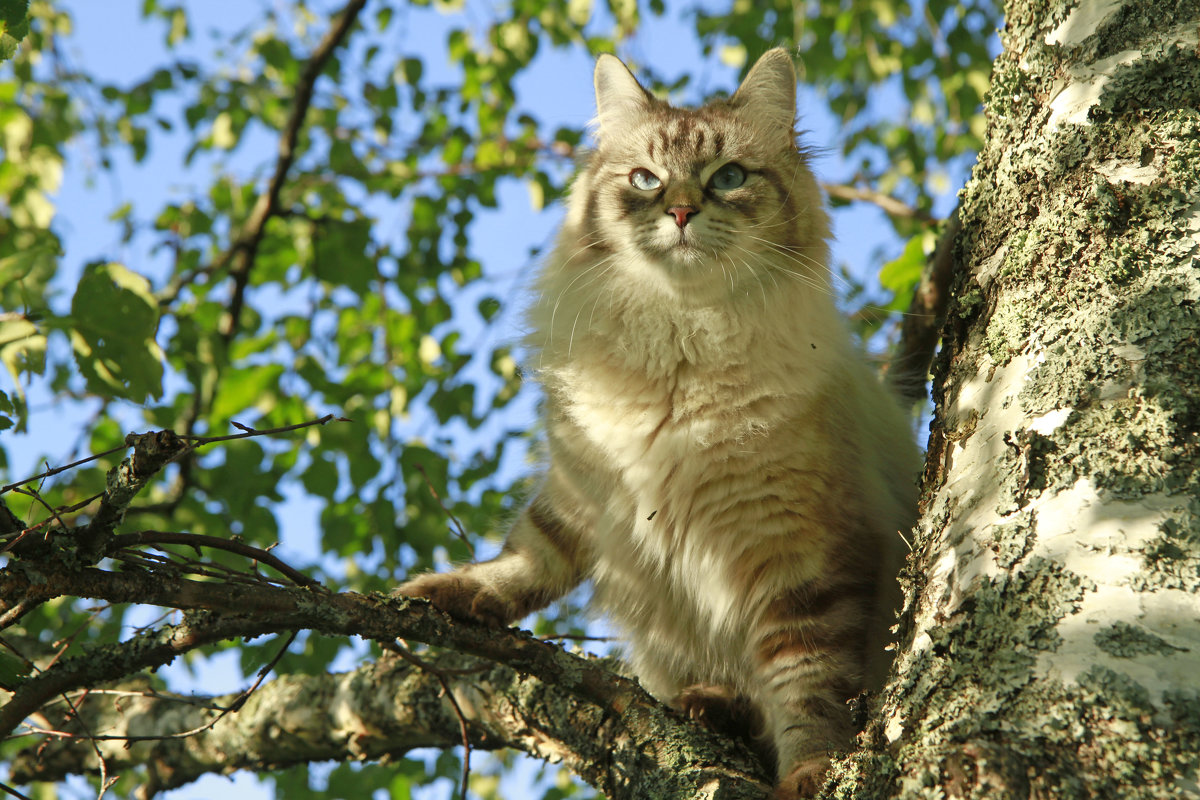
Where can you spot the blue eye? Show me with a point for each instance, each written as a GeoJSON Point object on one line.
{"type": "Point", "coordinates": [644, 179]}
{"type": "Point", "coordinates": [730, 176]}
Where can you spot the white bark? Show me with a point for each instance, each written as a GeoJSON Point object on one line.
{"type": "Point", "coordinates": [1052, 639]}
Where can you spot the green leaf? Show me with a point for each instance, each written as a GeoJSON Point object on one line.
{"type": "Point", "coordinates": [342, 250]}
{"type": "Point", "coordinates": [321, 478]}
{"type": "Point", "coordinates": [8, 412]}
{"type": "Point", "coordinates": [14, 26]}
{"type": "Point", "coordinates": [22, 351]}
{"type": "Point", "coordinates": [12, 670]}
{"type": "Point", "coordinates": [901, 275]}
{"type": "Point", "coordinates": [114, 318]}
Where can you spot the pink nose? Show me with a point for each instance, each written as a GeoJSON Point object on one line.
{"type": "Point", "coordinates": [681, 213]}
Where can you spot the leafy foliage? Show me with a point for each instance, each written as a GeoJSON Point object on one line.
{"type": "Point", "coordinates": [14, 24]}
{"type": "Point", "coordinates": [343, 277]}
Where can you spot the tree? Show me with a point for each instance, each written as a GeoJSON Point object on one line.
{"type": "Point", "coordinates": [1050, 618]}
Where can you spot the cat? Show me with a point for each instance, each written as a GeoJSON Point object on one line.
{"type": "Point", "coordinates": [723, 465]}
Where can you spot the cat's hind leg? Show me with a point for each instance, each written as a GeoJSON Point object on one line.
{"type": "Point", "coordinates": [808, 655]}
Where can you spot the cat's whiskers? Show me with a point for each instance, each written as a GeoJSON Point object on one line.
{"type": "Point", "coordinates": [756, 274]}
{"type": "Point", "coordinates": [763, 222]}
{"type": "Point", "coordinates": [819, 273]}
{"type": "Point", "coordinates": [612, 293]}
{"type": "Point", "coordinates": [611, 261]}
{"type": "Point", "coordinates": [726, 275]}
{"type": "Point", "coordinates": [770, 265]}
{"type": "Point", "coordinates": [567, 288]}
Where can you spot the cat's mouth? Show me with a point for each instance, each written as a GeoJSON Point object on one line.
{"type": "Point", "coordinates": [680, 250]}
{"type": "Point", "coordinates": [682, 243]}
{"type": "Point", "coordinates": [677, 247]}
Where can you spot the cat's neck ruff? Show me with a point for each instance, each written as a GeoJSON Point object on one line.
{"type": "Point", "coordinates": [656, 319]}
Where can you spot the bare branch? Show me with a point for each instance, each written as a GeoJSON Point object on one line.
{"type": "Point", "coordinates": [4, 787]}
{"type": "Point", "coordinates": [50, 472]}
{"type": "Point", "coordinates": [245, 248]}
{"type": "Point", "coordinates": [897, 208]}
{"type": "Point", "coordinates": [151, 452]}
{"type": "Point", "coordinates": [248, 432]}
{"type": "Point", "coordinates": [196, 540]}
{"type": "Point", "coordinates": [389, 707]}
{"type": "Point", "coordinates": [458, 528]}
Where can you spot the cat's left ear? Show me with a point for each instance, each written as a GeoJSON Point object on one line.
{"type": "Point", "coordinates": [618, 94]}
{"type": "Point", "coordinates": [770, 89]}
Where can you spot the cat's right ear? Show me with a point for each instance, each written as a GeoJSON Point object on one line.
{"type": "Point", "coordinates": [618, 94]}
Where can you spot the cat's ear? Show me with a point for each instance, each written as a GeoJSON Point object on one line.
{"type": "Point", "coordinates": [770, 89]}
{"type": "Point", "coordinates": [618, 94]}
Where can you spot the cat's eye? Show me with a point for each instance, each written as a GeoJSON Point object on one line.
{"type": "Point", "coordinates": [644, 179]}
{"type": "Point", "coordinates": [730, 176]}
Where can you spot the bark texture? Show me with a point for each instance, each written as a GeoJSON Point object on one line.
{"type": "Point", "coordinates": [542, 699]}
{"type": "Point", "coordinates": [1051, 641]}
{"type": "Point", "coordinates": [381, 711]}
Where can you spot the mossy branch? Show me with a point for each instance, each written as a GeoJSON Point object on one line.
{"type": "Point", "coordinates": [637, 747]}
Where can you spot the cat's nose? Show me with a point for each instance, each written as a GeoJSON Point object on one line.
{"type": "Point", "coordinates": [681, 214]}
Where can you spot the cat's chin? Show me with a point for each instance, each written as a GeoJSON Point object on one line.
{"type": "Point", "coordinates": [690, 273]}
{"type": "Point", "coordinates": [684, 255]}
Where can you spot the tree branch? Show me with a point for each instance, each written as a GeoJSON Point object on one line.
{"type": "Point", "coordinates": [197, 541]}
{"type": "Point", "coordinates": [380, 710]}
{"type": "Point", "coordinates": [647, 749]}
{"type": "Point", "coordinates": [151, 452]}
{"type": "Point", "coordinates": [245, 248]}
{"type": "Point", "coordinates": [897, 208]}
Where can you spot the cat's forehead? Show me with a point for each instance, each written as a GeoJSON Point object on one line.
{"type": "Point", "coordinates": [685, 135]}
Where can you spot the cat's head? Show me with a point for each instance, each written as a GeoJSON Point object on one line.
{"type": "Point", "coordinates": [719, 193]}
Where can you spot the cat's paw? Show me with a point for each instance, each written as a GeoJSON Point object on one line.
{"type": "Point", "coordinates": [721, 709]}
{"type": "Point", "coordinates": [460, 596]}
{"type": "Point", "coordinates": [804, 781]}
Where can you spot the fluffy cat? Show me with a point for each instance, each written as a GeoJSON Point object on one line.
{"type": "Point", "coordinates": [724, 467]}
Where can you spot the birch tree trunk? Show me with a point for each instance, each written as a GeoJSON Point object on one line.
{"type": "Point", "coordinates": [1051, 643]}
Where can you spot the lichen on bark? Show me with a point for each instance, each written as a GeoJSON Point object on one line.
{"type": "Point", "coordinates": [1049, 642]}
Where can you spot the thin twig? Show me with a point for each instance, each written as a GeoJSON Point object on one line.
{"type": "Point", "coordinates": [4, 787]}
{"type": "Point", "coordinates": [553, 637]}
{"type": "Point", "coordinates": [415, 660]}
{"type": "Point", "coordinates": [241, 699]}
{"type": "Point", "coordinates": [462, 534]}
{"type": "Point", "coordinates": [196, 540]}
{"type": "Point", "coordinates": [249, 432]}
{"type": "Point", "coordinates": [36, 495]}
{"type": "Point", "coordinates": [14, 613]}
{"type": "Point", "coordinates": [178, 564]}
{"type": "Point", "coordinates": [71, 509]}
{"type": "Point", "coordinates": [105, 781]}
{"type": "Point", "coordinates": [196, 441]}
{"type": "Point", "coordinates": [223, 711]}
{"type": "Point", "coordinates": [51, 472]}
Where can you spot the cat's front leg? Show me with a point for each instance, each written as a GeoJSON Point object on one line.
{"type": "Point", "coordinates": [462, 595]}
{"type": "Point", "coordinates": [540, 562]}
{"type": "Point", "coordinates": [722, 709]}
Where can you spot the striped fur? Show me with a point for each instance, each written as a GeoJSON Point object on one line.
{"type": "Point", "coordinates": [724, 467]}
